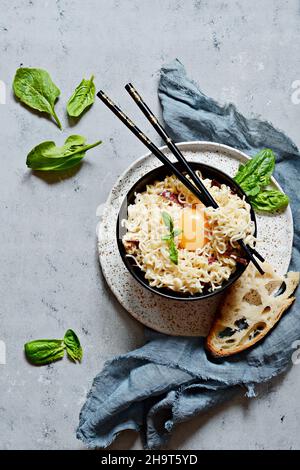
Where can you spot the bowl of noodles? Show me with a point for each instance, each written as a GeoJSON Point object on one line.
{"type": "Point", "coordinates": [175, 246]}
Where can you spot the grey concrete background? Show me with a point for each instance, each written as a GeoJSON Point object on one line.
{"type": "Point", "coordinates": [240, 51]}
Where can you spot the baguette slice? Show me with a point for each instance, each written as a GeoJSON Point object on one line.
{"type": "Point", "coordinates": [252, 306]}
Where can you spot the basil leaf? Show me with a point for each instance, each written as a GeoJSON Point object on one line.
{"type": "Point", "coordinates": [173, 252]}
{"type": "Point", "coordinates": [256, 173]}
{"type": "Point", "coordinates": [44, 351]}
{"type": "Point", "coordinates": [167, 220]}
{"type": "Point", "coordinates": [35, 88]}
{"type": "Point", "coordinates": [177, 232]}
{"type": "Point", "coordinates": [269, 200]}
{"type": "Point", "coordinates": [169, 238]}
{"type": "Point", "coordinates": [254, 176]}
{"type": "Point", "coordinates": [74, 349]}
{"type": "Point", "coordinates": [83, 96]}
{"type": "Point", "coordinates": [47, 157]}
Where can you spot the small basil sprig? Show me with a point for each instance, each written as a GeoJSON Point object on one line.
{"type": "Point", "coordinates": [170, 237]}
{"type": "Point", "coordinates": [44, 351]}
{"type": "Point", "coordinates": [35, 88]}
{"type": "Point", "coordinates": [83, 96]}
{"type": "Point", "coordinates": [47, 157]}
{"type": "Point", "coordinates": [254, 176]}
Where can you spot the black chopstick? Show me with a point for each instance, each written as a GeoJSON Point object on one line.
{"type": "Point", "coordinates": [161, 131]}
{"type": "Point", "coordinates": [250, 253]}
{"type": "Point", "coordinates": [155, 150]}
{"type": "Point", "coordinates": [150, 145]}
{"type": "Point", "coordinates": [179, 156]}
{"type": "Point", "coordinates": [258, 255]}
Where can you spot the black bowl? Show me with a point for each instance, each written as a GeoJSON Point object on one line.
{"type": "Point", "coordinates": [158, 174]}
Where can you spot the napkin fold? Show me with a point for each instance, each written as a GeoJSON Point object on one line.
{"type": "Point", "coordinates": [171, 379]}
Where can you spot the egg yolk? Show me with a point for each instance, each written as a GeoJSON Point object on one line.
{"type": "Point", "coordinates": [192, 223]}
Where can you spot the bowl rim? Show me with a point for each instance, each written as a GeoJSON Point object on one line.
{"type": "Point", "coordinates": [172, 295]}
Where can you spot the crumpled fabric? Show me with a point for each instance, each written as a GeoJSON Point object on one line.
{"type": "Point", "coordinates": [171, 379]}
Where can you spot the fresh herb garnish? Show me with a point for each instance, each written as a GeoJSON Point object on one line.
{"type": "Point", "coordinates": [35, 88]}
{"type": "Point", "coordinates": [83, 96]}
{"type": "Point", "coordinates": [256, 173]}
{"type": "Point", "coordinates": [254, 176]}
{"type": "Point", "coordinates": [170, 237]}
{"type": "Point", "coordinates": [44, 351]}
{"type": "Point", "coordinates": [46, 156]}
{"type": "Point", "coordinates": [74, 349]}
{"type": "Point", "coordinates": [269, 200]}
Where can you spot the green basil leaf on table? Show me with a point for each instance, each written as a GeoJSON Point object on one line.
{"type": "Point", "coordinates": [83, 96]}
{"type": "Point", "coordinates": [35, 88]}
{"type": "Point", "coordinates": [269, 200]}
{"type": "Point", "coordinates": [256, 173]}
{"type": "Point", "coordinates": [48, 157]}
{"type": "Point", "coordinates": [74, 349]}
{"type": "Point", "coordinates": [44, 351]}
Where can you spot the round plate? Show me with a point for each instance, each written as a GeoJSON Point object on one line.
{"type": "Point", "coordinates": [177, 317]}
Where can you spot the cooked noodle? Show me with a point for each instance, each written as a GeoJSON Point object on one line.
{"type": "Point", "coordinates": [206, 267]}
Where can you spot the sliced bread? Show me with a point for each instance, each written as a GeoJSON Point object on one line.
{"type": "Point", "coordinates": [252, 306]}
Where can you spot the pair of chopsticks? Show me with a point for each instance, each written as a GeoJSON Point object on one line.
{"type": "Point", "coordinates": [200, 191]}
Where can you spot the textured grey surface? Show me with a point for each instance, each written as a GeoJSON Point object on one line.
{"type": "Point", "coordinates": [49, 276]}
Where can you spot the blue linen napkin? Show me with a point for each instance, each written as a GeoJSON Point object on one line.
{"type": "Point", "coordinates": [171, 379]}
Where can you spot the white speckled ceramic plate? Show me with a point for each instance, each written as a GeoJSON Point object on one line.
{"type": "Point", "coordinates": [174, 317]}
